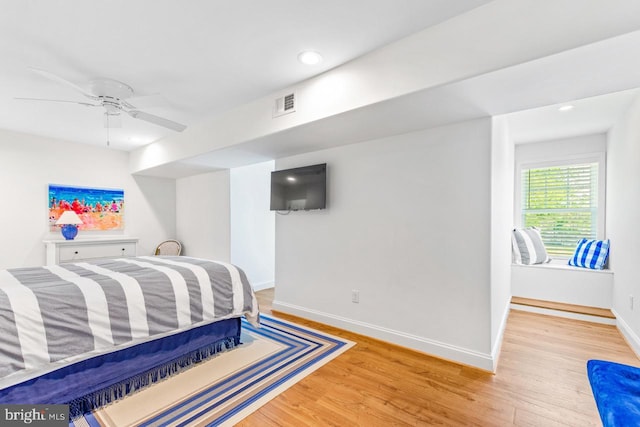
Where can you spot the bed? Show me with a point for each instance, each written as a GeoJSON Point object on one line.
{"type": "Point", "coordinates": [86, 334]}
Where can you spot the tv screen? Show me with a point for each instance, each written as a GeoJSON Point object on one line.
{"type": "Point", "coordinates": [299, 189]}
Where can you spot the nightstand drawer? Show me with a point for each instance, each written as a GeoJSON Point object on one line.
{"type": "Point", "coordinates": [79, 250]}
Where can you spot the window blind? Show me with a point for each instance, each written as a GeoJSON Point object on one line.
{"type": "Point", "coordinates": [562, 201]}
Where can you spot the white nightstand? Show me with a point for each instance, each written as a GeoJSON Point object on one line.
{"type": "Point", "coordinates": [78, 250]}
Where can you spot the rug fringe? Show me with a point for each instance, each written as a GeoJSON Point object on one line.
{"type": "Point", "coordinates": [117, 391]}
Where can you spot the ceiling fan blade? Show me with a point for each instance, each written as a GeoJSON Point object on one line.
{"type": "Point", "coordinates": [160, 121]}
{"type": "Point", "coordinates": [60, 80]}
{"type": "Point", "coordinates": [59, 100]}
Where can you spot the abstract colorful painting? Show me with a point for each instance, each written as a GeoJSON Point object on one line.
{"type": "Point", "coordinates": [98, 208]}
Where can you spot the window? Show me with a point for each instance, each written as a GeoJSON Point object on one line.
{"type": "Point", "coordinates": [565, 201]}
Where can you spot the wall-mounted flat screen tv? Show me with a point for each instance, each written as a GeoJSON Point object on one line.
{"type": "Point", "coordinates": [299, 188]}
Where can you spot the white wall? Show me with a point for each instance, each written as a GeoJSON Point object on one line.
{"type": "Point", "coordinates": [253, 225]}
{"type": "Point", "coordinates": [29, 163]}
{"type": "Point", "coordinates": [202, 215]}
{"type": "Point", "coordinates": [623, 211]}
{"type": "Point", "coordinates": [543, 151]}
{"type": "Point", "coordinates": [502, 164]}
{"type": "Point", "coordinates": [408, 225]}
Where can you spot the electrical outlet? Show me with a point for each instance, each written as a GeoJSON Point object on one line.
{"type": "Point", "coordinates": [631, 302]}
{"type": "Point", "coordinates": [355, 296]}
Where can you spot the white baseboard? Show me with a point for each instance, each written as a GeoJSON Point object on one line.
{"type": "Point", "coordinates": [632, 339]}
{"type": "Point", "coordinates": [497, 346]}
{"type": "Point", "coordinates": [439, 349]}
{"type": "Point", "coordinates": [565, 314]}
{"type": "Point", "coordinates": [263, 285]}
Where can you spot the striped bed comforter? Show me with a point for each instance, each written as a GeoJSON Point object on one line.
{"type": "Point", "coordinates": [54, 315]}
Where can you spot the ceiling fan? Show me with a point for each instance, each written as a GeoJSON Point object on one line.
{"type": "Point", "coordinates": [111, 95]}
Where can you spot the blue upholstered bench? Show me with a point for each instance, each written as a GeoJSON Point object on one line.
{"type": "Point", "coordinates": [616, 389]}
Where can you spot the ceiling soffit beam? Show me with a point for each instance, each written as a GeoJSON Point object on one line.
{"type": "Point", "coordinates": [497, 35]}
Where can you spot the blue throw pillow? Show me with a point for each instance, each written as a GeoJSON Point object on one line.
{"type": "Point", "coordinates": [591, 253]}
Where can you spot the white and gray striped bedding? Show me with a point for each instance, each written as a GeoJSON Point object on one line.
{"type": "Point", "coordinates": [57, 314]}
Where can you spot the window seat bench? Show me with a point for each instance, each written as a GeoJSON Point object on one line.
{"type": "Point", "coordinates": [557, 282]}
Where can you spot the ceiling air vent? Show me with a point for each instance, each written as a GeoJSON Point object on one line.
{"type": "Point", "coordinates": [284, 105]}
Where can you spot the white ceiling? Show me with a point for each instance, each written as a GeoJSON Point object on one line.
{"type": "Point", "coordinates": [202, 56]}
{"type": "Point", "coordinates": [599, 79]}
{"type": "Point", "coordinates": [588, 116]}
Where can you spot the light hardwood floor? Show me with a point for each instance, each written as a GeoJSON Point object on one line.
{"type": "Point", "coordinates": [541, 380]}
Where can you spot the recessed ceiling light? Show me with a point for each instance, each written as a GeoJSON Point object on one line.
{"type": "Point", "coordinates": [566, 108]}
{"type": "Point", "coordinates": [309, 57]}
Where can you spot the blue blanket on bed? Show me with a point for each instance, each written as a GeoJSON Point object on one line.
{"type": "Point", "coordinates": [616, 389]}
{"type": "Point", "coordinates": [95, 382]}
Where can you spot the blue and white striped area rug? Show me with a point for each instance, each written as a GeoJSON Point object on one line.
{"type": "Point", "coordinates": [230, 386]}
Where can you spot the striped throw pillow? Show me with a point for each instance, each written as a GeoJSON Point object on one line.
{"type": "Point", "coordinates": [528, 247]}
{"type": "Point", "coordinates": [590, 253]}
